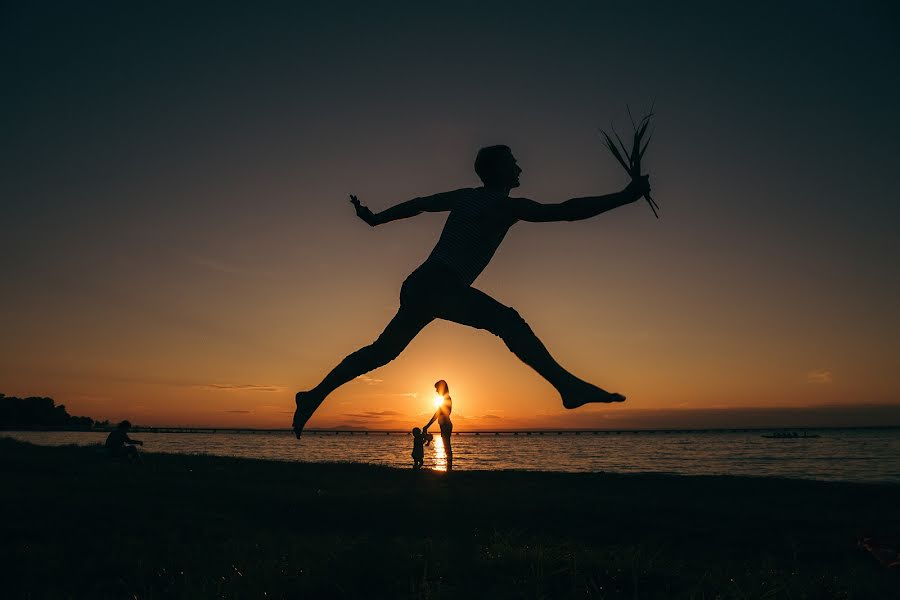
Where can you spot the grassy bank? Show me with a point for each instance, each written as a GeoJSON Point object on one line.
{"type": "Point", "coordinates": [77, 524]}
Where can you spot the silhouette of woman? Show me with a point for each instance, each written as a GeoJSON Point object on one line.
{"type": "Point", "coordinates": [442, 416]}
{"type": "Point", "coordinates": [441, 288]}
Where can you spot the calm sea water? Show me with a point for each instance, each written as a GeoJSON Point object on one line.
{"type": "Point", "coordinates": [839, 455]}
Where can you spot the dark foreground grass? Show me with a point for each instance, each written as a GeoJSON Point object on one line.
{"type": "Point", "coordinates": [76, 524]}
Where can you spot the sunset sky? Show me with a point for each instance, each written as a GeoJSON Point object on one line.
{"type": "Point", "coordinates": [178, 247]}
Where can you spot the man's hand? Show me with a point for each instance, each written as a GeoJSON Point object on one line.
{"type": "Point", "coordinates": [639, 187]}
{"type": "Point", "coordinates": [363, 211]}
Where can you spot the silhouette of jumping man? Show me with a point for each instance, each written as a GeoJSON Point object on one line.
{"type": "Point", "coordinates": [441, 288]}
{"type": "Point", "coordinates": [442, 416]}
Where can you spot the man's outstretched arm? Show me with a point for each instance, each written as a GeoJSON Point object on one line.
{"type": "Point", "coordinates": [404, 210]}
{"type": "Point", "coordinates": [577, 209]}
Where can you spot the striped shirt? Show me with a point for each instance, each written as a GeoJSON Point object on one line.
{"type": "Point", "coordinates": [477, 224]}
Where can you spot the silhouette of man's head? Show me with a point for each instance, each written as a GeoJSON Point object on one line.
{"type": "Point", "coordinates": [125, 425]}
{"type": "Point", "coordinates": [416, 431]}
{"type": "Point", "coordinates": [442, 388]}
{"type": "Point", "coordinates": [497, 167]}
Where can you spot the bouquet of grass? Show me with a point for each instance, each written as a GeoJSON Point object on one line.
{"type": "Point", "coordinates": [633, 163]}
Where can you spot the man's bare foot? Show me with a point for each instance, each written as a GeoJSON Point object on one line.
{"type": "Point", "coordinates": [306, 406]}
{"type": "Point", "coordinates": [580, 393]}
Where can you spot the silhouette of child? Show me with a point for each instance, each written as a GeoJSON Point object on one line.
{"type": "Point", "coordinates": [119, 444]}
{"type": "Point", "coordinates": [420, 440]}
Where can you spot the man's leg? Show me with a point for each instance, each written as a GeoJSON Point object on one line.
{"type": "Point", "coordinates": [474, 308]}
{"type": "Point", "coordinates": [405, 325]}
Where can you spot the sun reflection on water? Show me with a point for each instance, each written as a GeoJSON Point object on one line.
{"type": "Point", "coordinates": [440, 455]}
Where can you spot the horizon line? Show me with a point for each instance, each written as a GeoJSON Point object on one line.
{"type": "Point", "coordinates": [339, 430]}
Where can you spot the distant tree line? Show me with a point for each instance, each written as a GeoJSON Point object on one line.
{"type": "Point", "coordinates": [41, 413]}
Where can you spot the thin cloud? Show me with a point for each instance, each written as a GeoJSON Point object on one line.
{"type": "Point", "coordinates": [491, 417]}
{"type": "Point", "coordinates": [369, 380]}
{"type": "Point", "coordinates": [238, 387]}
{"type": "Point", "coordinates": [90, 398]}
{"type": "Point", "coordinates": [240, 412]}
{"type": "Point", "coordinates": [819, 377]}
{"type": "Point", "coordinates": [215, 265]}
{"type": "Point", "coordinates": [399, 394]}
{"type": "Point", "coordinates": [373, 414]}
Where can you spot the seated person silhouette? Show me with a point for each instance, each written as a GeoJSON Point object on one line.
{"type": "Point", "coordinates": [442, 416]}
{"type": "Point", "coordinates": [118, 444]}
{"type": "Point", "coordinates": [420, 440]}
{"type": "Point", "coordinates": [441, 288]}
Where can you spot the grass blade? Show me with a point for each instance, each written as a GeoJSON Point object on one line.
{"type": "Point", "coordinates": [652, 204]}
{"type": "Point", "coordinates": [630, 168]}
{"type": "Point", "coordinates": [642, 128]}
{"type": "Point", "coordinates": [615, 151]}
{"type": "Point", "coordinates": [647, 143]}
{"type": "Point", "coordinates": [636, 153]}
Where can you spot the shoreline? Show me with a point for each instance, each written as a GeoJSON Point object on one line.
{"type": "Point", "coordinates": [524, 432]}
{"type": "Point", "coordinates": [337, 464]}
{"type": "Point", "coordinates": [851, 456]}
{"type": "Point", "coordinates": [79, 524]}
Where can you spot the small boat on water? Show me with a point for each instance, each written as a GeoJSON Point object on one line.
{"type": "Point", "coordinates": [789, 435]}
